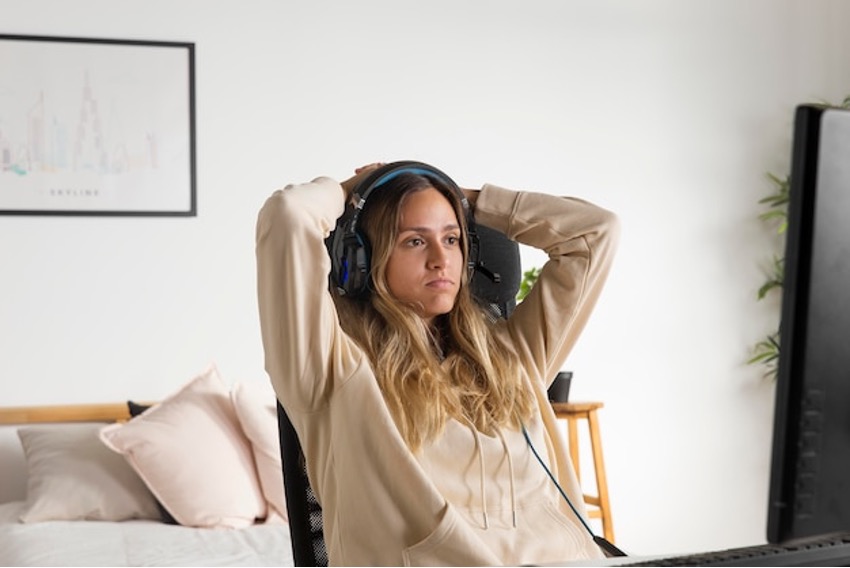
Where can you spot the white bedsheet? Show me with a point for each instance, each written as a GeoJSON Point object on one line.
{"type": "Point", "coordinates": [137, 543]}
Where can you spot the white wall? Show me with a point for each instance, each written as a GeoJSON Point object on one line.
{"type": "Point", "coordinates": [668, 112]}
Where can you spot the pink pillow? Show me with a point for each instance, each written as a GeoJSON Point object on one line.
{"type": "Point", "coordinates": [256, 409]}
{"type": "Point", "coordinates": [72, 476]}
{"type": "Point", "coordinates": [191, 453]}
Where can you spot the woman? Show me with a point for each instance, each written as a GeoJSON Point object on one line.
{"type": "Point", "coordinates": [420, 419]}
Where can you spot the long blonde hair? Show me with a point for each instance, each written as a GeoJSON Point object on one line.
{"type": "Point", "coordinates": [458, 370]}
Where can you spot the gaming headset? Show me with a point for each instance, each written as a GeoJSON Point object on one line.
{"type": "Point", "coordinates": [348, 246]}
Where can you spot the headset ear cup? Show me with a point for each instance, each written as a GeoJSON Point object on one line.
{"type": "Point", "coordinates": [342, 245]}
{"type": "Point", "coordinates": [361, 270]}
{"type": "Point", "coordinates": [357, 264]}
{"type": "Point", "coordinates": [349, 262]}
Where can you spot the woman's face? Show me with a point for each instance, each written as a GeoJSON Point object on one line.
{"type": "Point", "coordinates": [426, 262]}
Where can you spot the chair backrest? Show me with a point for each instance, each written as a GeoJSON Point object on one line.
{"type": "Point", "coordinates": [302, 507]}
{"type": "Point", "coordinates": [498, 272]}
{"type": "Point", "coordinates": [495, 284]}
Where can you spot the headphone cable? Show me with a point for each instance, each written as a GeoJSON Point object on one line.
{"type": "Point", "coordinates": [607, 547]}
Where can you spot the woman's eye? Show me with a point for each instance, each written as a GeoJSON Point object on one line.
{"type": "Point", "coordinates": [414, 242]}
{"type": "Point", "coordinates": [452, 239]}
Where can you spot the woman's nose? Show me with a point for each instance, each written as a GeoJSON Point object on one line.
{"type": "Point", "coordinates": [437, 257]}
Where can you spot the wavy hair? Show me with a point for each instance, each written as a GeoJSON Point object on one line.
{"type": "Point", "coordinates": [456, 370]}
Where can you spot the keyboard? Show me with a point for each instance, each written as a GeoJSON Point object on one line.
{"type": "Point", "coordinates": [831, 550]}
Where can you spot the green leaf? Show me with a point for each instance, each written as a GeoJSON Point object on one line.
{"type": "Point", "coordinates": [529, 277]}
{"type": "Point", "coordinates": [766, 352]}
{"type": "Point", "coordinates": [767, 287]}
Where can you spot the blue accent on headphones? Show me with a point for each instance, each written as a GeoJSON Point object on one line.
{"type": "Point", "coordinates": [344, 275]}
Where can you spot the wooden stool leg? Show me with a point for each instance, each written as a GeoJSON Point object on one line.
{"type": "Point", "coordinates": [601, 479]}
{"type": "Point", "coordinates": [572, 430]}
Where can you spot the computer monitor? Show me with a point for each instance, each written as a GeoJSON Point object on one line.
{"type": "Point", "coordinates": [810, 469]}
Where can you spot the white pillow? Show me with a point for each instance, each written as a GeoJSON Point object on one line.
{"type": "Point", "coordinates": [191, 452]}
{"type": "Point", "coordinates": [72, 475]}
{"type": "Point", "coordinates": [256, 409]}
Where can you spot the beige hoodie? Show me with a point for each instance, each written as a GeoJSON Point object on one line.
{"type": "Point", "coordinates": [468, 499]}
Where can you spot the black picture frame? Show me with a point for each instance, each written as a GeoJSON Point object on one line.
{"type": "Point", "coordinates": [95, 126]}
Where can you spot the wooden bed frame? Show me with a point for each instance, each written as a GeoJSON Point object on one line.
{"type": "Point", "coordinates": [103, 412]}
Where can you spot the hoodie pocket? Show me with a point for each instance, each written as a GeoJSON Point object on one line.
{"type": "Point", "coordinates": [450, 544]}
{"type": "Point", "coordinates": [573, 533]}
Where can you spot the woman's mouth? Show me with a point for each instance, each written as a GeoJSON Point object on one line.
{"type": "Point", "coordinates": [440, 284]}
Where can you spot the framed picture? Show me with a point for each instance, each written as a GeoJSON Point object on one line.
{"type": "Point", "coordinates": [96, 127]}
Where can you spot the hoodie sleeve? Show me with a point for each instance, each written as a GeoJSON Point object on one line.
{"type": "Point", "coordinates": [302, 339]}
{"type": "Point", "coordinates": [580, 240]}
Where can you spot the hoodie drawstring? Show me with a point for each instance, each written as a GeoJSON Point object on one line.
{"type": "Point", "coordinates": [511, 474]}
{"type": "Point", "coordinates": [482, 474]}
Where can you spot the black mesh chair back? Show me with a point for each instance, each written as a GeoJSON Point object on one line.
{"type": "Point", "coordinates": [495, 284]}
{"type": "Point", "coordinates": [304, 511]}
{"type": "Point", "coordinates": [498, 272]}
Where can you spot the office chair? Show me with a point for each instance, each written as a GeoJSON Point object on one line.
{"type": "Point", "coordinates": [302, 507]}
{"type": "Point", "coordinates": [495, 284]}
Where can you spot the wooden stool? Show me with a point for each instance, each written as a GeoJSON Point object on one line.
{"type": "Point", "coordinates": [600, 506]}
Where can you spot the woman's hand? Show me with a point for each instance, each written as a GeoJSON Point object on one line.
{"type": "Point", "coordinates": [359, 174]}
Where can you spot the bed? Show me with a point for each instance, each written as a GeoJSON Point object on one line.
{"type": "Point", "coordinates": [191, 480]}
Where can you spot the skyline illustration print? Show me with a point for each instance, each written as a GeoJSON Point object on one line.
{"type": "Point", "coordinates": [96, 127]}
